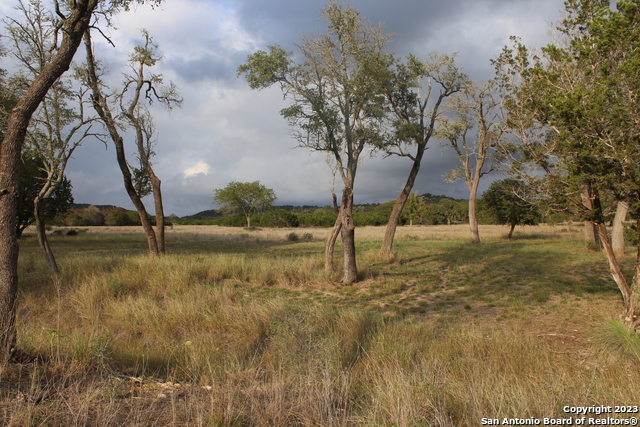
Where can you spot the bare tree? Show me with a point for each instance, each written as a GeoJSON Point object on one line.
{"type": "Point", "coordinates": [72, 23]}
{"type": "Point", "coordinates": [474, 133]}
{"type": "Point", "coordinates": [57, 127]}
{"type": "Point", "coordinates": [138, 86]}
{"type": "Point", "coordinates": [73, 19]}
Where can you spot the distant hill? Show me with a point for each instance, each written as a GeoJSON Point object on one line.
{"type": "Point", "coordinates": [430, 199]}
{"type": "Point", "coordinates": [208, 214]}
{"type": "Point", "coordinates": [86, 205]}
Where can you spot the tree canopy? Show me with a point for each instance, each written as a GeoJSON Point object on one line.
{"type": "Point", "coordinates": [246, 197]}
{"type": "Point", "coordinates": [574, 109]}
{"type": "Point", "coordinates": [337, 102]}
{"type": "Point", "coordinates": [506, 203]}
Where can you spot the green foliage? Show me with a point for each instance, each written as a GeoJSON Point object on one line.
{"type": "Point", "coordinates": [574, 107]}
{"type": "Point", "coordinates": [319, 219]}
{"type": "Point", "coordinates": [120, 217]}
{"type": "Point", "coordinates": [246, 197]}
{"type": "Point", "coordinates": [506, 202]}
{"type": "Point", "coordinates": [32, 177]}
{"type": "Point", "coordinates": [278, 218]}
{"type": "Point", "coordinates": [414, 208]}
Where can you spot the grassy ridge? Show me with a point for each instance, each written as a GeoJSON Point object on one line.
{"type": "Point", "coordinates": [243, 328]}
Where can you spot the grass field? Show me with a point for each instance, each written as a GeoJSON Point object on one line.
{"type": "Point", "coordinates": [243, 328]}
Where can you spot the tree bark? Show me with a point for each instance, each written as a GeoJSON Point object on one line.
{"type": "Point", "coordinates": [331, 243]}
{"type": "Point", "coordinates": [473, 220]}
{"type": "Point", "coordinates": [617, 234]}
{"type": "Point", "coordinates": [591, 230]}
{"type": "Point", "coordinates": [73, 27]}
{"type": "Point", "coordinates": [100, 105]}
{"type": "Point", "coordinates": [511, 228]}
{"type": "Point", "coordinates": [630, 295]}
{"type": "Point", "coordinates": [159, 208]}
{"type": "Point", "coordinates": [41, 232]}
{"type": "Point", "coordinates": [350, 273]}
{"type": "Point", "coordinates": [394, 218]}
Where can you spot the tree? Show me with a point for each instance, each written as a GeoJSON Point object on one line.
{"type": "Point", "coordinates": [72, 26]}
{"type": "Point", "coordinates": [337, 103]}
{"type": "Point", "coordinates": [581, 95]}
{"type": "Point", "coordinates": [131, 112]}
{"type": "Point", "coordinates": [414, 208]}
{"type": "Point", "coordinates": [32, 176]}
{"type": "Point", "coordinates": [414, 123]}
{"type": "Point", "coordinates": [73, 19]}
{"type": "Point", "coordinates": [246, 197]}
{"type": "Point", "coordinates": [57, 127]}
{"type": "Point", "coordinates": [507, 204]}
{"type": "Point", "coordinates": [474, 111]}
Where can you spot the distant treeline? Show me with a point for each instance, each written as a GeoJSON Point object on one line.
{"type": "Point", "coordinates": [438, 210]}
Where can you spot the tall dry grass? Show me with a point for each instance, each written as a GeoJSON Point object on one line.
{"type": "Point", "coordinates": [255, 334]}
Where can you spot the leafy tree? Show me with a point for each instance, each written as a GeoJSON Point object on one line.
{"type": "Point", "coordinates": [409, 93]}
{"type": "Point", "coordinates": [506, 202]}
{"type": "Point", "coordinates": [73, 19]}
{"type": "Point", "coordinates": [246, 197]}
{"type": "Point", "coordinates": [414, 208]}
{"type": "Point", "coordinates": [32, 175]}
{"type": "Point", "coordinates": [454, 210]}
{"type": "Point", "coordinates": [337, 103]}
{"type": "Point", "coordinates": [279, 218]}
{"type": "Point", "coordinates": [473, 133]}
{"type": "Point", "coordinates": [576, 113]}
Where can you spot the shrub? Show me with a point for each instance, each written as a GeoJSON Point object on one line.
{"type": "Point", "coordinates": [117, 217]}
{"type": "Point", "coordinates": [76, 218]}
{"type": "Point", "coordinates": [278, 218]}
{"type": "Point", "coordinates": [292, 237]}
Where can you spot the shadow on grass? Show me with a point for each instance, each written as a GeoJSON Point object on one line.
{"type": "Point", "coordinates": [556, 265]}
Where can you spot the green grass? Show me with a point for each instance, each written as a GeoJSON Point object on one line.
{"type": "Point", "coordinates": [246, 329]}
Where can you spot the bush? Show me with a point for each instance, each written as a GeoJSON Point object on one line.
{"type": "Point", "coordinates": [278, 218]}
{"type": "Point", "coordinates": [631, 234]}
{"type": "Point", "coordinates": [117, 217]}
{"type": "Point", "coordinates": [317, 219]}
{"type": "Point", "coordinates": [76, 218]}
{"type": "Point", "coordinates": [292, 237]}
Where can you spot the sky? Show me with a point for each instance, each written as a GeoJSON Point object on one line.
{"type": "Point", "coordinates": [226, 132]}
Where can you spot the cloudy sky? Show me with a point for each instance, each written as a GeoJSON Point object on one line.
{"type": "Point", "coordinates": [226, 132]}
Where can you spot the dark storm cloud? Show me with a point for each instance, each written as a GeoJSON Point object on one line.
{"type": "Point", "coordinates": [237, 133]}
{"type": "Point", "coordinates": [208, 66]}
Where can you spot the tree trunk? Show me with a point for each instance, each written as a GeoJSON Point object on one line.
{"type": "Point", "coordinates": [394, 218]}
{"type": "Point", "coordinates": [152, 243]}
{"type": "Point", "coordinates": [473, 221]}
{"type": "Point", "coordinates": [159, 208]}
{"type": "Point", "coordinates": [350, 273]}
{"type": "Point", "coordinates": [101, 107]}
{"type": "Point", "coordinates": [331, 243]}
{"type": "Point", "coordinates": [617, 234]}
{"type": "Point", "coordinates": [41, 232]}
{"type": "Point", "coordinates": [630, 296]}
{"type": "Point", "coordinates": [10, 152]}
{"type": "Point", "coordinates": [631, 315]}
{"type": "Point", "coordinates": [591, 233]}
{"type": "Point", "coordinates": [511, 228]}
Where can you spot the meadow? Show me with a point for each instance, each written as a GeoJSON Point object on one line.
{"type": "Point", "coordinates": [241, 327]}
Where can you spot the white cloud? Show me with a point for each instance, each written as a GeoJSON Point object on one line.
{"type": "Point", "coordinates": [200, 167]}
